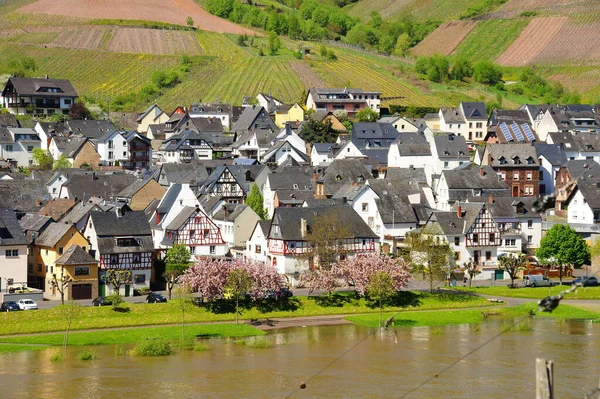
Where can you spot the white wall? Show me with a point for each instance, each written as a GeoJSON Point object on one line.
{"type": "Point", "coordinates": [579, 211]}
{"type": "Point", "coordinates": [119, 150]}
{"type": "Point", "coordinates": [14, 267]}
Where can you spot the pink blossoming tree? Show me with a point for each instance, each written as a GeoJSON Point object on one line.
{"type": "Point", "coordinates": [359, 271]}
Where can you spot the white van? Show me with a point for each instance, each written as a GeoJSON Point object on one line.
{"type": "Point", "coordinates": [537, 281]}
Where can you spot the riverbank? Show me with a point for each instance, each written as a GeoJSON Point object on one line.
{"type": "Point", "coordinates": [582, 293]}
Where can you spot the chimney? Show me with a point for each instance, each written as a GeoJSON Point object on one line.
{"type": "Point", "coordinates": [459, 211]}
{"type": "Point", "coordinates": [491, 199]}
{"type": "Point", "coordinates": [345, 200]}
{"type": "Point", "coordinates": [481, 172]}
{"type": "Point", "coordinates": [303, 227]}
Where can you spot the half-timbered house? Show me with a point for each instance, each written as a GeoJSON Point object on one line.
{"type": "Point", "coordinates": [291, 238]}
{"type": "Point", "coordinates": [232, 182]}
{"type": "Point", "coordinates": [122, 240]}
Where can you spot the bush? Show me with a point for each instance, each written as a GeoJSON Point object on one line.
{"type": "Point", "coordinates": [87, 355]}
{"type": "Point", "coordinates": [486, 72]}
{"type": "Point", "coordinates": [57, 357]}
{"type": "Point", "coordinates": [258, 343]}
{"type": "Point", "coordinates": [162, 79]}
{"type": "Point", "coordinates": [187, 344]}
{"type": "Point", "coordinates": [157, 347]}
{"type": "Point", "coordinates": [201, 347]}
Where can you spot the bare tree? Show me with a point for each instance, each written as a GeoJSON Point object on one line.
{"type": "Point", "coordinates": [183, 296]}
{"type": "Point", "coordinates": [238, 284]}
{"type": "Point", "coordinates": [512, 264]}
{"type": "Point", "coordinates": [429, 255]}
{"type": "Point", "coordinates": [61, 284]}
{"type": "Point", "coordinates": [472, 269]}
{"type": "Point", "coordinates": [327, 240]}
{"type": "Point", "coordinates": [117, 278]}
{"type": "Point", "coordinates": [69, 312]}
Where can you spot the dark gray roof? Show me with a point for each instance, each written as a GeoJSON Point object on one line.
{"type": "Point", "coordinates": [10, 231]}
{"type": "Point", "coordinates": [577, 141]}
{"type": "Point", "coordinates": [8, 120]}
{"type": "Point", "coordinates": [91, 129]}
{"type": "Point", "coordinates": [108, 245]}
{"type": "Point", "coordinates": [470, 178]}
{"type": "Point", "coordinates": [289, 220]}
{"type": "Point", "coordinates": [350, 191]}
{"type": "Point", "coordinates": [131, 223]}
{"type": "Point", "coordinates": [474, 110]}
{"type": "Point", "coordinates": [343, 171]}
{"type": "Point", "coordinates": [383, 187]}
{"type": "Point", "coordinates": [133, 188]}
{"type": "Point", "coordinates": [229, 212]}
{"type": "Point", "coordinates": [323, 148]}
{"type": "Point", "coordinates": [506, 207]}
{"type": "Point", "coordinates": [79, 211]}
{"type": "Point", "coordinates": [34, 222]}
{"type": "Point", "coordinates": [182, 217]}
{"type": "Point", "coordinates": [412, 144]}
{"type": "Point", "coordinates": [583, 169]}
{"type": "Point", "coordinates": [83, 187]}
{"type": "Point", "coordinates": [294, 197]}
{"type": "Point", "coordinates": [395, 208]}
{"type": "Point", "coordinates": [287, 180]}
{"type": "Point", "coordinates": [37, 86]}
{"type": "Point", "coordinates": [590, 189]}
{"type": "Point", "coordinates": [75, 255]}
{"type": "Point", "coordinates": [23, 195]}
{"type": "Point", "coordinates": [208, 124]}
{"type": "Point", "coordinates": [554, 153]}
{"type": "Point", "coordinates": [567, 120]}
{"type": "Point", "coordinates": [190, 173]}
{"type": "Point", "coordinates": [169, 198]}
{"type": "Point", "coordinates": [52, 234]}
{"type": "Point", "coordinates": [376, 156]}
{"type": "Point", "coordinates": [513, 155]}
{"type": "Point", "coordinates": [5, 136]}
{"type": "Point", "coordinates": [254, 117]}
{"type": "Point", "coordinates": [452, 224]}
{"type": "Point", "coordinates": [416, 175]}
{"type": "Point", "coordinates": [73, 146]}
{"type": "Point", "coordinates": [509, 117]}
{"type": "Point", "coordinates": [451, 146]}
{"type": "Point", "coordinates": [208, 108]}
{"type": "Point", "coordinates": [373, 135]}
{"type": "Point", "coordinates": [452, 115]}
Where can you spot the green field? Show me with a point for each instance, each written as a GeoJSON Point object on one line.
{"type": "Point", "coordinates": [490, 38]}
{"type": "Point", "coordinates": [535, 293]}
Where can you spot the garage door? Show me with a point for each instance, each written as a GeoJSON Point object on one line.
{"type": "Point", "coordinates": [82, 291]}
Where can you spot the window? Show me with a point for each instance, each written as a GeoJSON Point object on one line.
{"type": "Point", "coordinates": [541, 175]}
{"type": "Point", "coordinates": [82, 270]}
{"type": "Point", "coordinates": [528, 190]}
{"type": "Point", "coordinates": [456, 240]}
{"type": "Point", "coordinates": [515, 175]}
{"type": "Point", "coordinates": [61, 250]}
{"type": "Point", "coordinates": [492, 238]}
{"type": "Point", "coordinates": [206, 233]}
{"type": "Point", "coordinates": [12, 253]}
{"type": "Point", "coordinates": [371, 221]}
{"type": "Point", "coordinates": [111, 155]}
{"type": "Point", "coordinates": [510, 242]}
{"type": "Point", "coordinates": [46, 252]}
{"type": "Point", "coordinates": [9, 147]}
{"type": "Point", "coordinates": [29, 148]}
{"type": "Point", "coordinates": [529, 175]}
{"type": "Point", "coordinates": [127, 242]}
{"type": "Point", "coordinates": [139, 278]}
{"type": "Point", "coordinates": [529, 240]}
{"type": "Point", "coordinates": [111, 144]}
{"type": "Point", "coordinates": [530, 224]}
{"type": "Point", "coordinates": [67, 101]}
{"type": "Point", "coordinates": [258, 249]}
{"type": "Point", "coordinates": [488, 255]}
{"type": "Point", "coordinates": [479, 125]}
{"type": "Point", "coordinates": [365, 207]}
{"type": "Point", "coordinates": [124, 153]}
{"type": "Point", "coordinates": [457, 255]}
{"type": "Point", "coordinates": [470, 125]}
{"type": "Point", "coordinates": [475, 238]}
{"type": "Point", "coordinates": [574, 215]}
{"type": "Point", "coordinates": [213, 249]}
{"type": "Point", "coordinates": [192, 234]}
{"type": "Point", "coordinates": [135, 258]}
{"type": "Point", "coordinates": [114, 259]}
{"type": "Point", "coordinates": [446, 164]}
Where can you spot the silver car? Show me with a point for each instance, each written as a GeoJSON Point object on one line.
{"type": "Point", "coordinates": [27, 304]}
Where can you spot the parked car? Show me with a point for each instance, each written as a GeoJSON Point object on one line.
{"type": "Point", "coordinates": [586, 281]}
{"type": "Point", "coordinates": [153, 297]}
{"type": "Point", "coordinates": [27, 304]}
{"type": "Point", "coordinates": [101, 301]}
{"type": "Point", "coordinates": [19, 290]}
{"type": "Point", "coordinates": [9, 306]}
{"type": "Point", "coordinates": [537, 281]}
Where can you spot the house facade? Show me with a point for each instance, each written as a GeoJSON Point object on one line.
{"type": "Point", "coordinates": [349, 100]}
{"type": "Point", "coordinates": [81, 269]}
{"type": "Point", "coordinates": [469, 120]}
{"type": "Point", "coordinates": [517, 165]}
{"type": "Point", "coordinates": [38, 96]}
{"type": "Point", "coordinates": [13, 250]}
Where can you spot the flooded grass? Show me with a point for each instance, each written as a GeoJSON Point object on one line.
{"type": "Point", "coordinates": [87, 355]}
{"type": "Point", "coordinates": [156, 347]}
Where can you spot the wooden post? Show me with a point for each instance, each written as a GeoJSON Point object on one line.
{"type": "Point", "coordinates": [544, 379]}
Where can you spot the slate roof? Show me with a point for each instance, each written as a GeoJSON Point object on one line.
{"type": "Point", "coordinates": [509, 117]}
{"type": "Point", "coordinates": [34, 86]}
{"type": "Point", "coordinates": [238, 172]}
{"type": "Point", "coordinates": [470, 178]}
{"type": "Point", "coordinates": [92, 129]}
{"type": "Point", "coordinates": [57, 208]}
{"type": "Point", "coordinates": [72, 146]}
{"type": "Point", "coordinates": [273, 151]}
{"type": "Point", "coordinates": [264, 137]}
{"type": "Point", "coordinates": [182, 173]}
{"type": "Point", "coordinates": [289, 220]}
{"type": "Point", "coordinates": [10, 231]}
{"type": "Point", "coordinates": [34, 221]}
{"type": "Point", "coordinates": [208, 108]}
{"type": "Point", "coordinates": [412, 144]}
{"type": "Point", "coordinates": [505, 207]}
{"type": "Point", "coordinates": [8, 120]}
{"type": "Point", "coordinates": [208, 124]}
{"type": "Point", "coordinates": [181, 217]}
{"type": "Point", "coordinates": [75, 255]}
{"type": "Point", "coordinates": [61, 143]}
{"type": "Point", "coordinates": [80, 210]}
{"type": "Point", "coordinates": [451, 224]}
{"type": "Point", "coordinates": [451, 146]}
{"type": "Point", "coordinates": [554, 153]}
{"type": "Point", "coordinates": [577, 141]}
{"type": "Point", "coordinates": [515, 155]}
{"type": "Point", "coordinates": [350, 191]}
{"type": "Point", "coordinates": [254, 117]}
{"type": "Point", "coordinates": [373, 135]}
{"type": "Point", "coordinates": [395, 208]}
{"type": "Point", "coordinates": [294, 197]}
{"type": "Point", "coordinates": [52, 234]}
{"type": "Point", "coordinates": [566, 120]}
{"type": "Point", "coordinates": [590, 189]}
{"type": "Point", "coordinates": [169, 198]}
{"type": "Point", "coordinates": [285, 180]}
{"type": "Point", "coordinates": [83, 187]}
{"type": "Point", "coordinates": [133, 188]}
{"type": "Point", "coordinates": [452, 115]}
{"type": "Point", "coordinates": [343, 171]}
{"type": "Point", "coordinates": [229, 212]}
{"type": "Point", "coordinates": [583, 169]}
{"type": "Point", "coordinates": [5, 136]}
{"type": "Point", "coordinates": [473, 110]}
{"type": "Point", "coordinates": [132, 223]}
{"type": "Point", "coordinates": [23, 195]}
{"type": "Point", "coordinates": [323, 148]}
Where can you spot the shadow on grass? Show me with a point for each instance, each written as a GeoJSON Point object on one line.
{"type": "Point", "coordinates": [221, 306]}
{"type": "Point", "coordinates": [337, 299]}
{"type": "Point", "coordinates": [401, 299]}
{"type": "Point", "coordinates": [120, 309]}
{"type": "Point", "coordinates": [290, 304]}
{"type": "Point", "coordinates": [451, 296]}
{"type": "Point", "coordinates": [405, 323]}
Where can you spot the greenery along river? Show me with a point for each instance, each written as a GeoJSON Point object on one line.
{"type": "Point", "coordinates": [376, 365]}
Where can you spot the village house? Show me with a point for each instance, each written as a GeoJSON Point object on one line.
{"type": "Point", "coordinates": [268, 102]}
{"type": "Point", "coordinates": [288, 113]}
{"type": "Point", "coordinates": [400, 123]}
{"type": "Point", "coordinates": [38, 96]}
{"type": "Point", "coordinates": [139, 149]}
{"type": "Point", "coordinates": [216, 111]}
{"type": "Point", "coordinates": [411, 150]}
{"type": "Point", "coordinates": [233, 182]}
{"type": "Point", "coordinates": [141, 193]}
{"type": "Point", "coordinates": [338, 173]}
{"type": "Point", "coordinates": [448, 152]}
{"type": "Point", "coordinates": [469, 120]}
{"type": "Point", "coordinates": [13, 250]}
{"type": "Point", "coordinates": [106, 186]}
{"type": "Point", "coordinates": [517, 165]}
{"type": "Point", "coordinates": [577, 145]}
{"type": "Point", "coordinates": [122, 240]}
{"type": "Point", "coordinates": [583, 205]}
{"type": "Point", "coordinates": [92, 129]}
{"type": "Point", "coordinates": [256, 246]}
{"type": "Point", "coordinates": [236, 223]}
{"type": "Point", "coordinates": [81, 270]}
{"type": "Point", "coordinates": [568, 177]}
{"type": "Point", "coordinates": [568, 118]}
{"type": "Point", "coordinates": [349, 100]}
{"type": "Point", "coordinates": [253, 118]}
{"type": "Point", "coordinates": [153, 115]}
{"type": "Point", "coordinates": [291, 181]}
{"type": "Point", "coordinates": [80, 152]}
{"type": "Point", "coordinates": [550, 157]}
{"type": "Point", "coordinates": [17, 145]}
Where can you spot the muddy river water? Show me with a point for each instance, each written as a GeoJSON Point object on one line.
{"type": "Point", "coordinates": [376, 365]}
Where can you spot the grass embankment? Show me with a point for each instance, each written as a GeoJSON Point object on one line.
{"type": "Point", "coordinates": [534, 293]}
{"type": "Point", "coordinates": [441, 318]}
{"type": "Point", "coordinates": [223, 311]}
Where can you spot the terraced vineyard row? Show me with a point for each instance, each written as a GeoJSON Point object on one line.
{"type": "Point", "coordinates": [489, 38]}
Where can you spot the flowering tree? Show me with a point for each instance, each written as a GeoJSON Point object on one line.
{"type": "Point", "coordinates": [265, 278]}
{"type": "Point", "coordinates": [360, 270]}
{"type": "Point", "coordinates": [320, 279]}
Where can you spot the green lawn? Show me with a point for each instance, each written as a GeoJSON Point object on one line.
{"type": "Point", "coordinates": [159, 314]}
{"type": "Point", "coordinates": [441, 318]}
{"type": "Point", "coordinates": [534, 293]}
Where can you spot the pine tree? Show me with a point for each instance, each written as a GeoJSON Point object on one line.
{"type": "Point", "coordinates": [255, 201]}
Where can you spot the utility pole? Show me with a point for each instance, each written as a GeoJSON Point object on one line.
{"type": "Point", "coordinates": [544, 379]}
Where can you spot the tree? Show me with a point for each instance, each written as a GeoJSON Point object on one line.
{"type": "Point", "coordinates": [60, 284]}
{"type": "Point", "coordinates": [42, 158]}
{"type": "Point", "coordinates": [69, 312]}
{"type": "Point", "coordinates": [177, 262]}
{"type": "Point", "coordinates": [79, 111]}
{"type": "Point", "coordinates": [512, 264]}
{"type": "Point", "coordinates": [190, 22]}
{"type": "Point", "coordinates": [314, 131]}
{"type": "Point", "coordinates": [256, 202]}
{"type": "Point", "coordinates": [184, 298]}
{"type": "Point", "coordinates": [472, 269]}
{"type": "Point", "coordinates": [62, 163]}
{"type": "Point", "coordinates": [486, 72]}
{"type": "Point", "coordinates": [326, 240]}
{"type": "Point", "coordinates": [564, 247]}
{"type": "Point", "coordinates": [366, 115]}
{"type": "Point", "coordinates": [274, 43]}
{"type": "Point", "coordinates": [461, 68]}
{"type": "Point", "coordinates": [238, 283]}
{"type": "Point", "coordinates": [380, 289]}
{"type": "Point", "coordinates": [220, 8]}
{"type": "Point", "coordinates": [429, 254]}
{"type": "Point", "coordinates": [319, 279]}
{"type": "Point", "coordinates": [117, 278]}
{"type": "Point", "coordinates": [402, 45]}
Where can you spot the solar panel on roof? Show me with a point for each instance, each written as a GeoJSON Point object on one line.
{"type": "Point", "coordinates": [506, 132]}
{"type": "Point", "coordinates": [528, 132]}
{"type": "Point", "coordinates": [517, 132]}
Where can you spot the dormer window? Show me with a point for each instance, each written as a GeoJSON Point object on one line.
{"type": "Point", "coordinates": [338, 178]}
{"type": "Point", "coordinates": [530, 161]}
{"type": "Point", "coordinates": [295, 186]}
{"type": "Point", "coordinates": [502, 161]}
{"type": "Point", "coordinates": [516, 160]}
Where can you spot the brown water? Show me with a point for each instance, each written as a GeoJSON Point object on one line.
{"type": "Point", "coordinates": [375, 368]}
